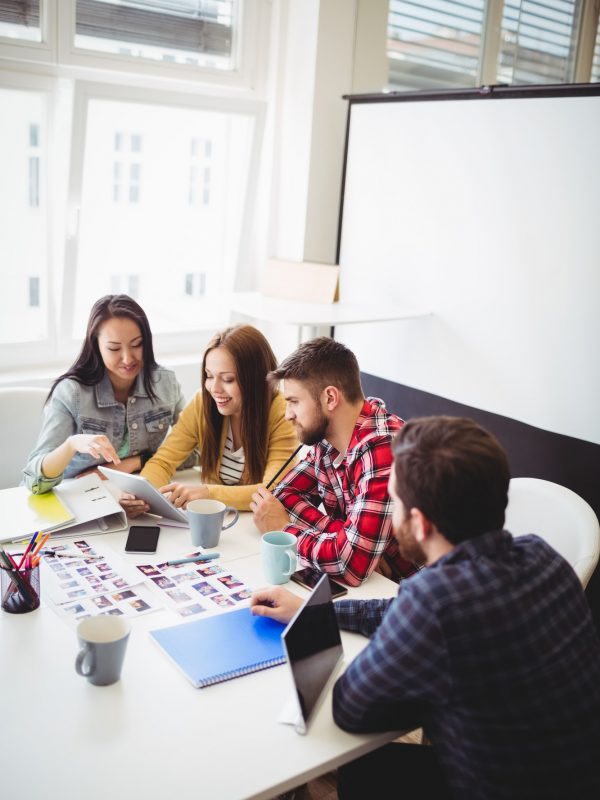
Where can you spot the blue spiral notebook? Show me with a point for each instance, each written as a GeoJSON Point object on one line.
{"type": "Point", "coordinates": [226, 646]}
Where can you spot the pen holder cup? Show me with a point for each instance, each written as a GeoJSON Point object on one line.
{"type": "Point", "coordinates": [20, 593]}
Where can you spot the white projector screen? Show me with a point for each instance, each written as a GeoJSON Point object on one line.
{"type": "Point", "coordinates": [484, 210]}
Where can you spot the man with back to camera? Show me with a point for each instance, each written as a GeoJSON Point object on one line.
{"type": "Point", "coordinates": [346, 470]}
{"type": "Point", "coordinates": [491, 647]}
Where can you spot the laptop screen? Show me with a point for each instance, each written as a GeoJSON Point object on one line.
{"type": "Point", "coordinates": [313, 647]}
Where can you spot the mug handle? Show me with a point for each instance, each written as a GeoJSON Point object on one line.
{"type": "Point", "coordinates": [81, 658]}
{"type": "Point", "coordinates": [293, 561]}
{"type": "Point", "coordinates": [236, 516]}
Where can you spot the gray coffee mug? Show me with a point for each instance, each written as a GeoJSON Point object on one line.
{"type": "Point", "coordinates": [206, 518]}
{"type": "Point", "coordinates": [103, 641]}
{"type": "Point", "coordinates": [279, 557]}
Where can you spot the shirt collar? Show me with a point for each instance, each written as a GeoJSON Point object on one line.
{"type": "Point", "coordinates": [339, 458]}
{"type": "Point", "coordinates": [105, 395]}
{"type": "Point", "coordinates": [494, 543]}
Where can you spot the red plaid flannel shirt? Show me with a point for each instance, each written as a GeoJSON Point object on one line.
{"type": "Point", "coordinates": [347, 540]}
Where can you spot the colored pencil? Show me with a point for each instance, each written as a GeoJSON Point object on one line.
{"type": "Point", "coordinates": [27, 549]}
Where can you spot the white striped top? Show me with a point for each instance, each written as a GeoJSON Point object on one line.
{"type": "Point", "coordinates": [232, 462]}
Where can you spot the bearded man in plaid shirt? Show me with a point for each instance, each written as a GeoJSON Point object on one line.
{"type": "Point", "coordinates": [335, 500]}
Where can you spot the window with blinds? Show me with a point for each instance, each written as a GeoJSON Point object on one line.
{"type": "Point", "coordinates": [20, 19]}
{"type": "Point", "coordinates": [596, 62]}
{"type": "Point", "coordinates": [197, 32]}
{"type": "Point", "coordinates": [434, 42]}
{"type": "Point", "coordinates": [539, 41]}
{"type": "Point", "coordinates": [444, 43]}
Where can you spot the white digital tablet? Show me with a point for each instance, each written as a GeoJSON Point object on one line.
{"type": "Point", "coordinates": [143, 490]}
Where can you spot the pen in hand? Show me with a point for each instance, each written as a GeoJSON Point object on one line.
{"type": "Point", "coordinates": [278, 473]}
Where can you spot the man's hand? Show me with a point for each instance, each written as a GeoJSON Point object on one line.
{"type": "Point", "coordinates": [275, 602]}
{"type": "Point", "coordinates": [180, 495]}
{"type": "Point", "coordinates": [268, 513]}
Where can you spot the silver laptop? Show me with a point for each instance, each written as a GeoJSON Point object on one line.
{"type": "Point", "coordinates": [313, 647]}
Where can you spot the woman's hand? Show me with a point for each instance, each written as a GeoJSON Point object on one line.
{"type": "Point", "coordinates": [96, 445]}
{"type": "Point", "coordinates": [133, 507]}
{"type": "Point", "coordinates": [129, 464]}
{"type": "Point", "coordinates": [180, 495]}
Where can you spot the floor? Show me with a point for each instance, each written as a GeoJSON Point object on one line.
{"type": "Point", "coordinates": [324, 787]}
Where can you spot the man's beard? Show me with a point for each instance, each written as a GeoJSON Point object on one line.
{"type": "Point", "coordinates": [316, 432]}
{"type": "Point", "coordinates": [408, 546]}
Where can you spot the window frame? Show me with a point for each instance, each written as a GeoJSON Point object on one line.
{"type": "Point", "coordinates": [15, 354]}
{"type": "Point", "coordinates": [57, 48]}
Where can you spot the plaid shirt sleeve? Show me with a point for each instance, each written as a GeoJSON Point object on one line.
{"type": "Point", "coordinates": [403, 667]}
{"type": "Point", "coordinates": [349, 547]}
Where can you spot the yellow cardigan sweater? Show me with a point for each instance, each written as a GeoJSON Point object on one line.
{"type": "Point", "coordinates": [187, 434]}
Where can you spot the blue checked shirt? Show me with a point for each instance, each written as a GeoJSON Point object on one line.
{"type": "Point", "coordinates": [493, 651]}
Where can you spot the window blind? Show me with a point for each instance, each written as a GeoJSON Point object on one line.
{"type": "Point", "coordinates": [20, 12]}
{"type": "Point", "coordinates": [434, 41]}
{"type": "Point", "coordinates": [538, 41]}
{"type": "Point", "coordinates": [200, 26]}
{"type": "Point", "coordinates": [596, 62]}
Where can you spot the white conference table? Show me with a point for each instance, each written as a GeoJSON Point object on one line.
{"type": "Point", "coordinates": [152, 735]}
{"type": "Point", "coordinates": [310, 317]}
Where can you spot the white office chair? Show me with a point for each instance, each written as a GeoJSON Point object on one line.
{"type": "Point", "coordinates": [20, 422]}
{"type": "Point", "coordinates": [558, 515]}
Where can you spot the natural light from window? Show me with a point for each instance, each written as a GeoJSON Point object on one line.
{"type": "Point", "coordinates": [162, 199]}
{"type": "Point", "coordinates": [23, 217]}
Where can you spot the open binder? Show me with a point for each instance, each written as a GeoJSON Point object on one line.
{"type": "Point", "coordinates": [76, 507]}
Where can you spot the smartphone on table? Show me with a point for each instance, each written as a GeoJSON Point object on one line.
{"type": "Point", "coordinates": [142, 539]}
{"type": "Point", "coordinates": [309, 577]}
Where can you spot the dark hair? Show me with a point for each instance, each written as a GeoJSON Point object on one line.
{"type": "Point", "coordinates": [319, 363]}
{"type": "Point", "coordinates": [88, 367]}
{"type": "Point", "coordinates": [455, 472]}
{"type": "Point", "coordinates": [253, 359]}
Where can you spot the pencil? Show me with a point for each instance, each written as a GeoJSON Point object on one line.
{"type": "Point", "coordinates": [278, 473]}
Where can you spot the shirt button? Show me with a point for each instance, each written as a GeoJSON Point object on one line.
{"type": "Point", "coordinates": [134, 426]}
{"type": "Point", "coordinates": [132, 400]}
{"type": "Point", "coordinates": [160, 426]}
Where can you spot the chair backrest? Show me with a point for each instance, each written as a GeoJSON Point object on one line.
{"type": "Point", "coordinates": [20, 422]}
{"type": "Point", "coordinates": [558, 515]}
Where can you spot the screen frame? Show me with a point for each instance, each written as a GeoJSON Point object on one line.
{"type": "Point", "coordinates": [300, 665]}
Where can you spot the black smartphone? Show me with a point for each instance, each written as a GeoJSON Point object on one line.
{"type": "Point", "coordinates": [309, 577]}
{"type": "Point", "coordinates": [142, 539]}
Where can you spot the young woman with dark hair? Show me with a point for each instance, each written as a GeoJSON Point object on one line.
{"type": "Point", "coordinates": [236, 422]}
{"type": "Point", "coordinates": [114, 404]}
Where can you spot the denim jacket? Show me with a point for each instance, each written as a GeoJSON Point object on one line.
{"type": "Point", "coordinates": [75, 408]}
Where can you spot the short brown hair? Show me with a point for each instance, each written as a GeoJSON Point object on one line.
{"type": "Point", "coordinates": [319, 363]}
{"type": "Point", "coordinates": [253, 358]}
{"type": "Point", "coordinates": [455, 472]}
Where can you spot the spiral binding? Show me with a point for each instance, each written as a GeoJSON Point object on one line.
{"type": "Point", "coordinates": [237, 673]}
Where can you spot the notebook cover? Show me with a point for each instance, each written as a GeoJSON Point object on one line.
{"type": "Point", "coordinates": [222, 647]}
